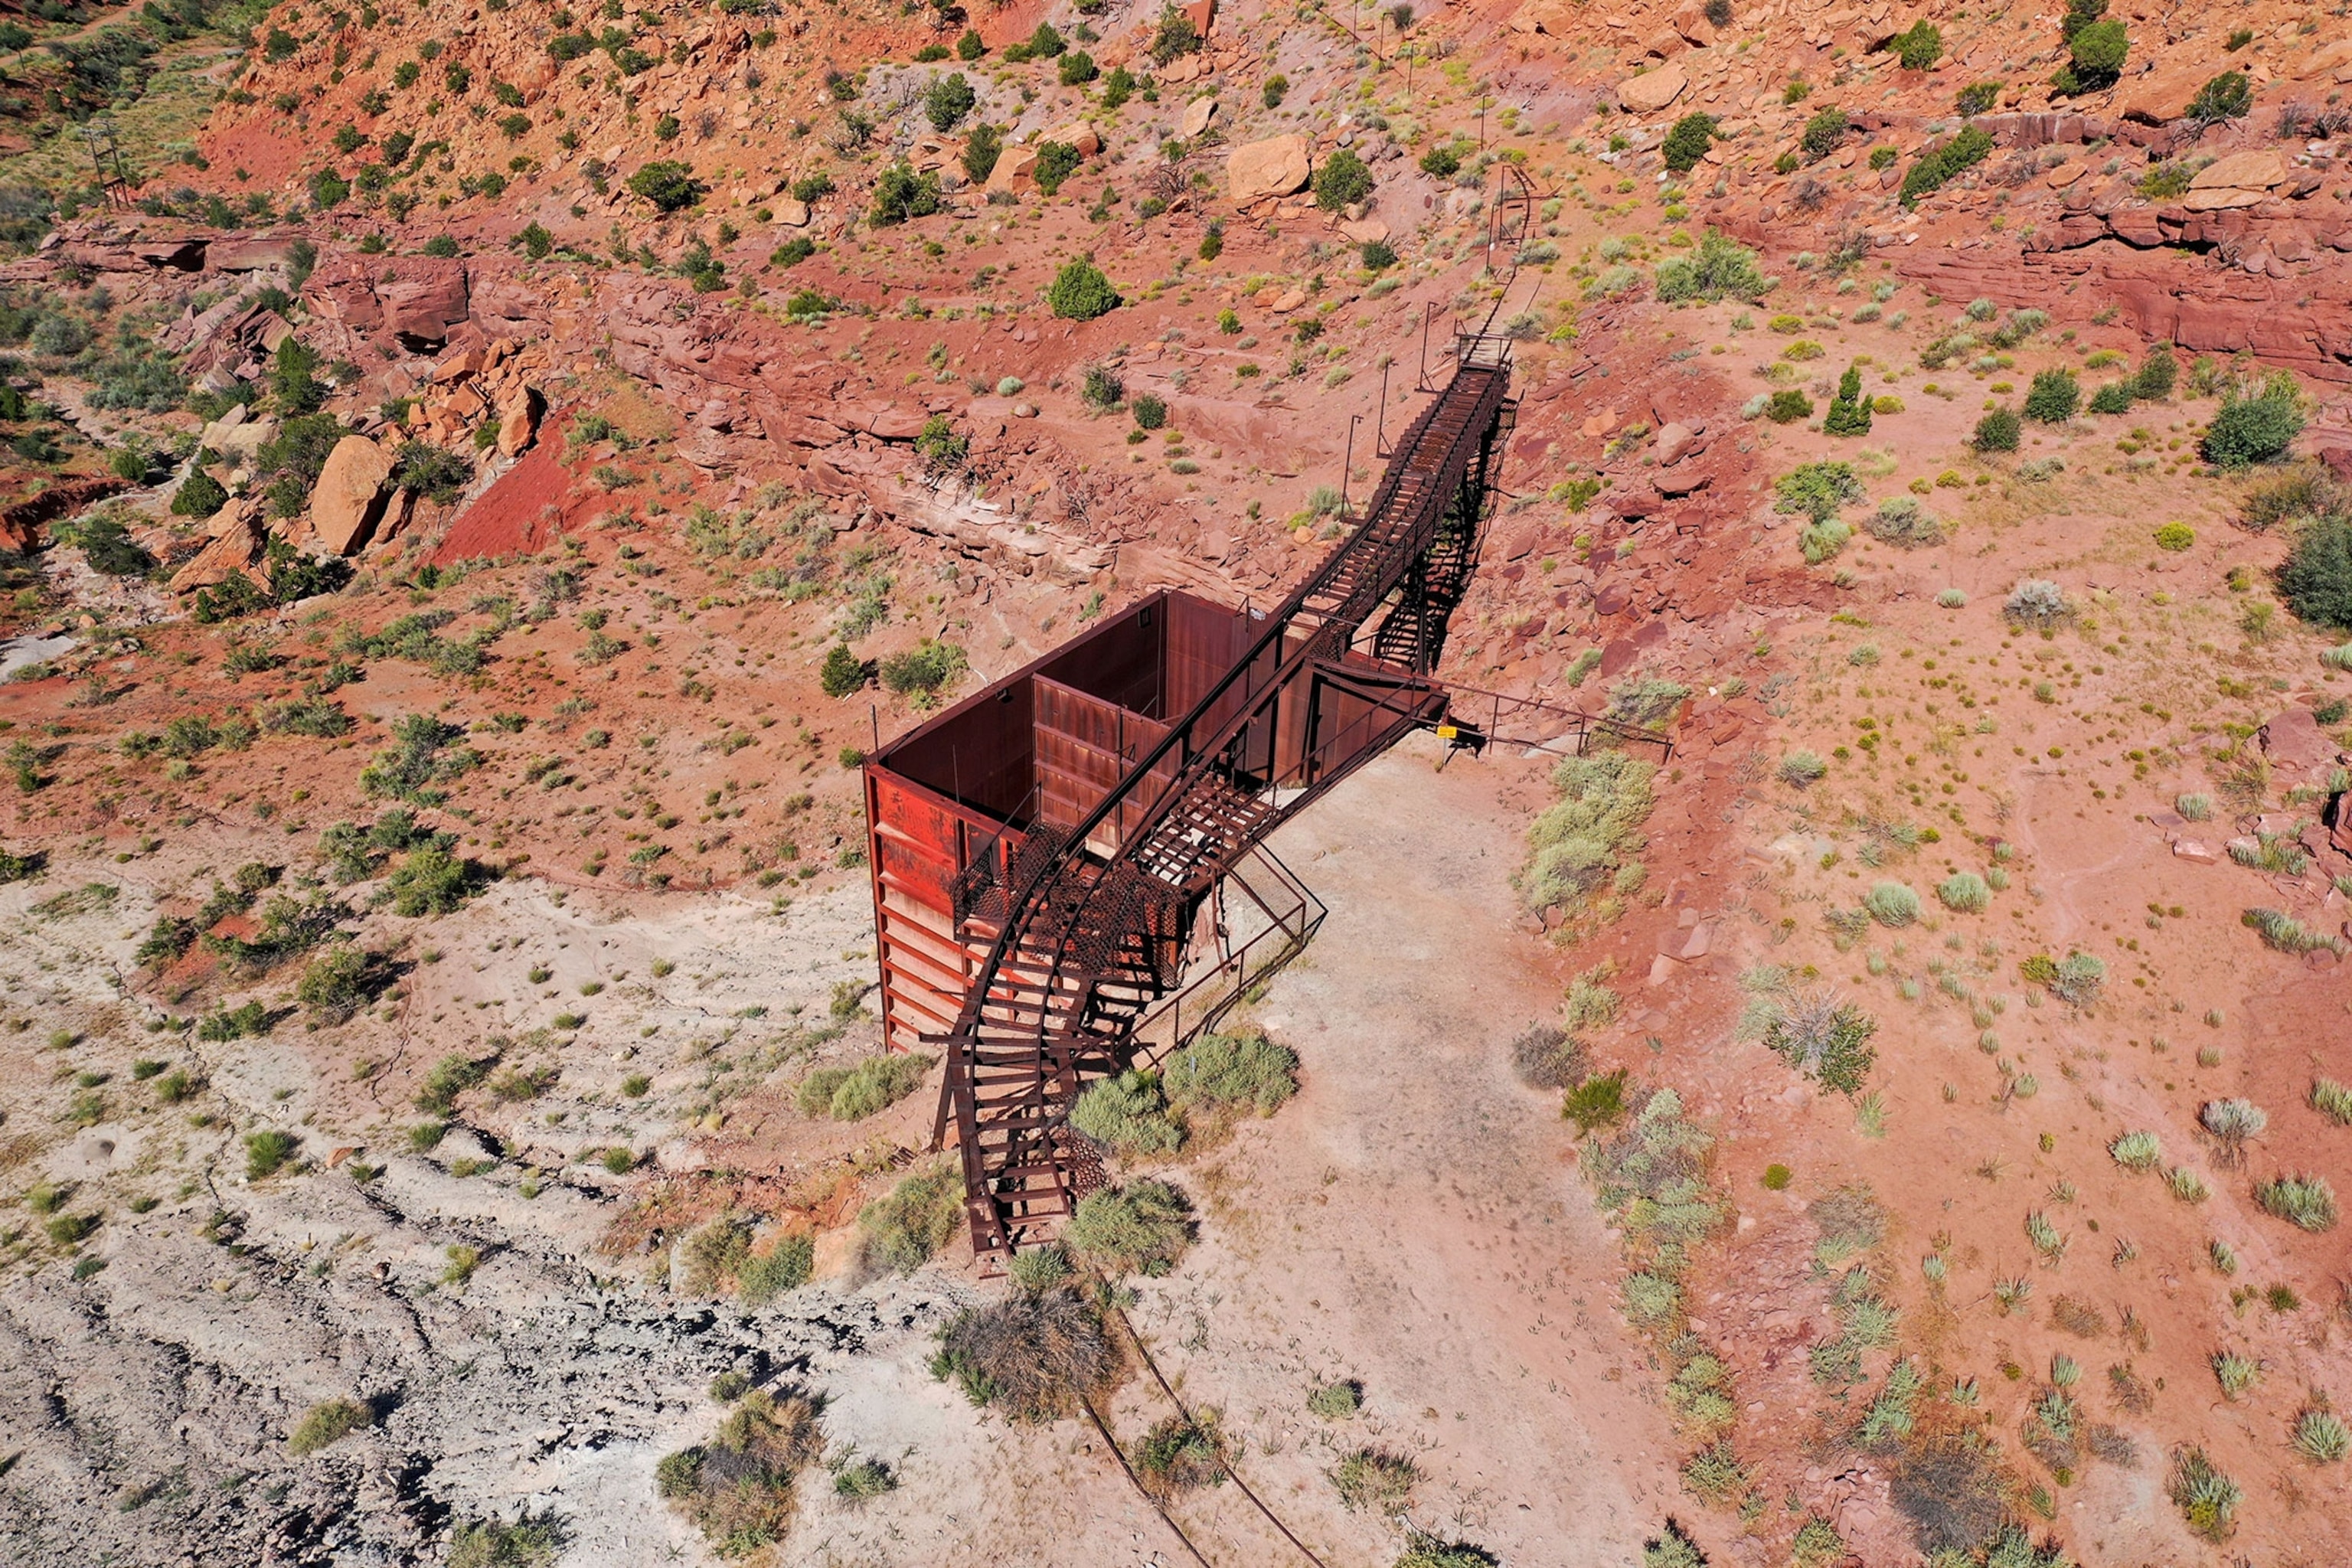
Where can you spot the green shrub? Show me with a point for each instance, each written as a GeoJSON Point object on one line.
{"type": "Point", "coordinates": [1056, 161]}
{"type": "Point", "coordinates": [268, 1152]}
{"type": "Point", "coordinates": [2075, 978]}
{"type": "Point", "coordinates": [981, 148]}
{"type": "Point", "coordinates": [1149, 412]}
{"type": "Point", "coordinates": [855, 1093]}
{"type": "Point", "coordinates": [1933, 169]}
{"type": "Point", "coordinates": [1336, 1401]}
{"type": "Point", "coordinates": [1586, 839]}
{"type": "Point", "coordinates": [199, 496]}
{"type": "Point", "coordinates": [335, 986]}
{"type": "Point", "coordinates": [2333, 1100]}
{"type": "Point", "coordinates": [1902, 522]}
{"type": "Point", "coordinates": [1080, 292]}
{"type": "Point", "coordinates": [1802, 770]}
{"type": "Point", "coordinates": [2230, 96]}
{"type": "Point", "coordinates": [1342, 181]}
{"type": "Point", "coordinates": [433, 472]}
{"type": "Point", "coordinates": [1849, 413]}
{"type": "Point", "coordinates": [1720, 268]}
{"type": "Point", "coordinates": [2158, 373]}
{"type": "Point", "coordinates": [1920, 48]}
{"type": "Point", "coordinates": [2115, 397]}
{"type": "Point", "coordinates": [326, 1422]}
{"type": "Point", "coordinates": [1143, 1226]}
{"type": "Point", "coordinates": [1788, 406]}
{"type": "Point", "coordinates": [949, 99]}
{"type": "Point", "coordinates": [1423, 1551]}
{"type": "Point", "coordinates": [2098, 52]}
{"type": "Point", "coordinates": [844, 672]}
{"type": "Point", "coordinates": [2321, 1436]}
{"type": "Point", "coordinates": [1595, 1103]}
{"type": "Point", "coordinates": [1672, 1549]}
{"type": "Point", "coordinates": [1821, 541]}
{"type": "Point", "coordinates": [1076, 68]}
{"type": "Point", "coordinates": [2315, 579]}
{"type": "Point", "coordinates": [2053, 396]}
{"type": "Point", "coordinates": [532, 1542]}
{"type": "Point", "coordinates": [1221, 1073]}
{"type": "Point", "coordinates": [1976, 97]}
{"type": "Point", "coordinates": [1816, 490]}
{"type": "Point", "coordinates": [1443, 161]}
{"type": "Point", "coordinates": [1823, 131]}
{"type": "Point", "coordinates": [1179, 1453]}
{"type": "Point", "coordinates": [1128, 1114]}
{"type": "Point", "coordinates": [2256, 428]}
{"type": "Point", "coordinates": [1692, 136]}
{"type": "Point", "coordinates": [431, 882]}
{"type": "Point", "coordinates": [900, 195]}
{"type": "Point", "coordinates": [906, 1228]}
{"type": "Point", "coordinates": [738, 1488]}
{"type": "Point", "coordinates": [1998, 431]}
{"type": "Point", "coordinates": [1371, 1480]}
{"type": "Point", "coordinates": [923, 670]}
{"type": "Point", "coordinates": [668, 184]}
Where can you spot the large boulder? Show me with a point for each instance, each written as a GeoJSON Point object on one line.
{"type": "Point", "coordinates": [1015, 169]}
{"type": "Point", "coordinates": [2257, 169]}
{"type": "Point", "coordinates": [1653, 91]}
{"type": "Point", "coordinates": [348, 499]}
{"type": "Point", "coordinates": [519, 422]}
{"type": "Point", "coordinates": [2240, 180]}
{"type": "Point", "coordinates": [236, 543]}
{"type": "Point", "coordinates": [2161, 96]}
{"type": "Point", "coordinates": [238, 437]}
{"type": "Point", "coordinates": [1276, 166]}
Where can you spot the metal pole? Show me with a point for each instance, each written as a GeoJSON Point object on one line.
{"type": "Point", "coordinates": [1348, 462]}
{"type": "Point", "coordinates": [1381, 424]}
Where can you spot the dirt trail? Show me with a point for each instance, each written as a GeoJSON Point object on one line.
{"type": "Point", "coordinates": [1415, 1219]}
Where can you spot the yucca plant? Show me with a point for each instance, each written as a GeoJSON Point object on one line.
{"type": "Point", "coordinates": [2045, 1237]}
{"type": "Point", "coordinates": [2138, 1152]}
{"type": "Point", "coordinates": [2333, 1100]}
{"type": "Point", "coordinates": [2188, 1186]}
{"type": "Point", "coordinates": [2320, 1437]}
{"type": "Point", "coordinates": [2308, 1202]}
{"type": "Point", "coordinates": [2206, 1498]}
{"type": "Point", "coordinates": [2234, 1372]}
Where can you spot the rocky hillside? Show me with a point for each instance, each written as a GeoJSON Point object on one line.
{"type": "Point", "coordinates": [477, 480]}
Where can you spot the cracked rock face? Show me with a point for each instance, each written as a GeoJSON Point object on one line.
{"type": "Point", "coordinates": [147, 1410]}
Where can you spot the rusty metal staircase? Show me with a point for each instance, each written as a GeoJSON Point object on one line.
{"type": "Point", "coordinates": [1087, 939]}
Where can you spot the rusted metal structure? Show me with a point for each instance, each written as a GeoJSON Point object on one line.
{"type": "Point", "coordinates": [1069, 865]}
